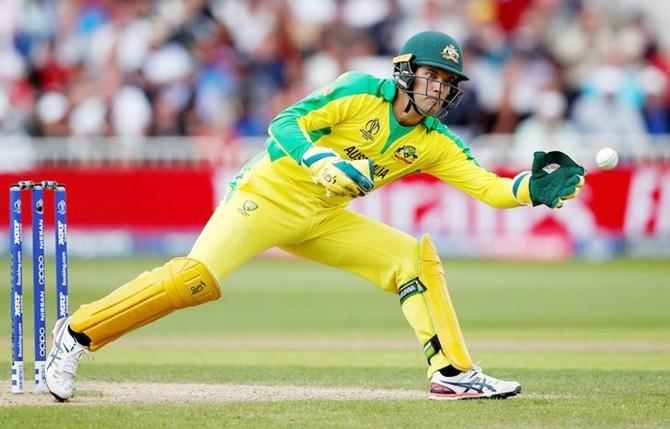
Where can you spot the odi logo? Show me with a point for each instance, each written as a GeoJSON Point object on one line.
{"type": "Point", "coordinates": [370, 130]}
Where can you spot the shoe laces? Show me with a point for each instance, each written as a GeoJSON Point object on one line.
{"type": "Point", "coordinates": [70, 361]}
{"type": "Point", "coordinates": [478, 373]}
{"type": "Point", "coordinates": [476, 369]}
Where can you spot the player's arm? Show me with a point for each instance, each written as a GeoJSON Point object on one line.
{"type": "Point", "coordinates": [458, 167]}
{"type": "Point", "coordinates": [290, 133]}
{"type": "Point", "coordinates": [315, 114]}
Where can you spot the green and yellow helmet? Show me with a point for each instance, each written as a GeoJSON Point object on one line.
{"type": "Point", "coordinates": [435, 49]}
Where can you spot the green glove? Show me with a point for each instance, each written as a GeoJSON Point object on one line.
{"type": "Point", "coordinates": [549, 186]}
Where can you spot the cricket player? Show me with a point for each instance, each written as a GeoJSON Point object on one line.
{"type": "Point", "coordinates": [342, 142]}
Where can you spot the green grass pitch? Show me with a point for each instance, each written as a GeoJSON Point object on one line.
{"type": "Point", "coordinates": [590, 342]}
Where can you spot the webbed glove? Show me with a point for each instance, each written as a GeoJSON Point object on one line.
{"type": "Point", "coordinates": [554, 178]}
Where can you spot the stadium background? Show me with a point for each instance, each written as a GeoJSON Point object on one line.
{"type": "Point", "coordinates": [145, 109]}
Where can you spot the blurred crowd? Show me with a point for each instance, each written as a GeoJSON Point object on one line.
{"type": "Point", "coordinates": [542, 69]}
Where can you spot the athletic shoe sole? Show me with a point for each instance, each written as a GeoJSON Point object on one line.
{"type": "Point", "coordinates": [467, 396]}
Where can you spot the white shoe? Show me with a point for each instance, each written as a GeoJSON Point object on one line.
{"type": "Point", "coordinates": [472, 384]}
{"type": "Point", "coordinates": [63, 361]}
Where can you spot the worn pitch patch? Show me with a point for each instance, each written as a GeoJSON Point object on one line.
{"type": "Point", "coordinates": [98, 393]}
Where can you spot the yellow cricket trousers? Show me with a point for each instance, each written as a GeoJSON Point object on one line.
{"type": "Point", "coordinates": [258, 215]}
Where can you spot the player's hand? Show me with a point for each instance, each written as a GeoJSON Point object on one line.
{"type": "Point", "coordinates": [554, 178]}
{"type": "Point", "coordinates": [340, 177]}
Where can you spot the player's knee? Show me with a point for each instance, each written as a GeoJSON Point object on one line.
{"type": "Point", "coordinates": [190, 282]}
{"type": "Point", "coordinates": [408, 267]}
{"type": "Point", "coordinates": [403, 267]}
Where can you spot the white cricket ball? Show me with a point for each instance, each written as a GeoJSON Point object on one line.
{"type": "Point", "coordinates": [607, 158]}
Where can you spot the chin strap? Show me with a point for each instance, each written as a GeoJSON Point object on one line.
{"type": "Point", "coordinates": [411, 104]}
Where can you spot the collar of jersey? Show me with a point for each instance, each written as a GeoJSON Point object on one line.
{"type": "Point", "coordinates": [388, 92]}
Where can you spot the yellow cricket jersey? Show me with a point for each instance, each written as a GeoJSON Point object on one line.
{"type": "Point", "coordinates": [354, 117]}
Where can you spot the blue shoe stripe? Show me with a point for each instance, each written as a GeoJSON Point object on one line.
{"type": "Point", "coordinates": [477, 386]}
{"type": "Point", "coordinates": [55, 353]}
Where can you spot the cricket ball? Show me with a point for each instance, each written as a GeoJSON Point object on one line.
{"type": "Point", "coordinates": [607, 158]}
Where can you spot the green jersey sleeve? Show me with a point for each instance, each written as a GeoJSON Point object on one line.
{"type": "Point", "coordinates": [294, 129]}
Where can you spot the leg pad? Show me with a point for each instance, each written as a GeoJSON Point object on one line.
{"type": "Point", "coordinates": [182, 282]}
{"type": "Point", "coordinates": [445, 321]}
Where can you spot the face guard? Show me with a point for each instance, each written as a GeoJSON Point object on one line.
{"type": "Point", "coordinates": [406, 78]}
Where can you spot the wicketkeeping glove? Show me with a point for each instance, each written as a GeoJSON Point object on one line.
{"type": "Point", "coordinates": [554, 178]}
{"type": "Point", "coordinates": [339, 177]}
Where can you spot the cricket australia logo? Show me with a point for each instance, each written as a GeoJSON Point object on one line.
{"type": "Point", "coordinates": [247, 207]}
{"type": "Point", "coordinates": [406, 154]}
{"type": "Point", "coordinates": [370, 130]}
{"type": "Point", "coordinates": [451, 53]}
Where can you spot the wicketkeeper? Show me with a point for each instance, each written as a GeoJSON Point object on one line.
{"type": "Point", "coordinates": [354, 136]}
